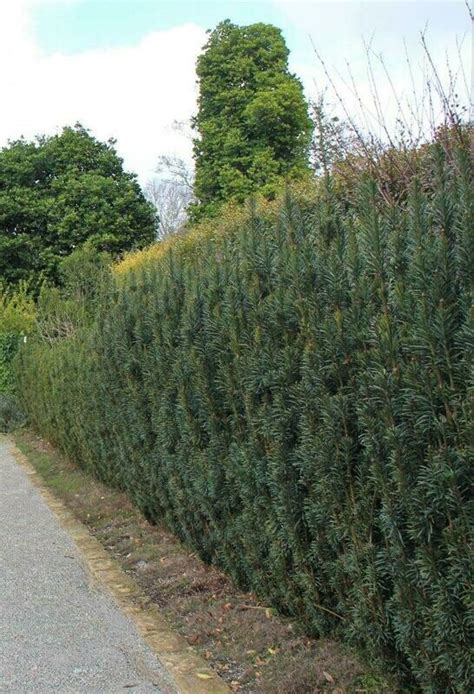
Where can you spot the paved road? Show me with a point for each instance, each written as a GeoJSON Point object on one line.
{"type": "Point", "coordinates": [58, 631]}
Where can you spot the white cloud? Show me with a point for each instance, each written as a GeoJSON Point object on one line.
{"type": "Point", "coordinates": [131, 93]}
{"type": "Point", "coordinates": [16, 45]}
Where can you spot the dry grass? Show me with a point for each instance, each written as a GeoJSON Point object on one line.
{"type": "Point", "coordinates": [247, 643]}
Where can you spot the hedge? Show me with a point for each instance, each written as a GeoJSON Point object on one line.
{"type": "Point", "coordinates": [291, 395]}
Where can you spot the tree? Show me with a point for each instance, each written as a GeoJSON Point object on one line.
{"type": "Point", "coordinates": [252, 118]}
{"type": "Point", "coordinates": [171, 193]}
{"type": "Point", "coordinates": [334, 139]}
{"type": "Point", "coordinates": [56, 193]}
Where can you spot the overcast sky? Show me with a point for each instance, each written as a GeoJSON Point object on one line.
{"type": "Point", "coordinates": [125, 68]}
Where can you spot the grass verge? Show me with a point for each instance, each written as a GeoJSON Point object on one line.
{"type": "Point", "coordinates": [251, 647]}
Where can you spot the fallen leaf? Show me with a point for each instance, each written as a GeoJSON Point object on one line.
{"type": "Point", "coordinates": [328, 677]}
{"type": "Point", "coordinates": [204, 676]}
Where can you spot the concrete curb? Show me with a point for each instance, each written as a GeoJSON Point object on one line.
{"type": "Point", "coordinates": [187, 669]}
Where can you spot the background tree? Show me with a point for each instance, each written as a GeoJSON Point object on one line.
{"type": "Point", "coordinates": [171, 193]}
{"type": "Point", "coordinates": [334, 139]}
{"type": "Point", "coordinates": [58, 192]}
{"type": "Point", "coordinates": [252, 118]}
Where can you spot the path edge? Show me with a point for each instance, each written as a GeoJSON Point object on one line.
{"type": "Point", "coordinates": [187, 670]}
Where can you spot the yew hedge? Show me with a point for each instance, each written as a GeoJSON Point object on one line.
{"type": "Point", "coordinates": [291, 395]}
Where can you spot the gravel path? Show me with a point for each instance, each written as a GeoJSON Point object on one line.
{"type": "Point", "coordinates": [59, 632]}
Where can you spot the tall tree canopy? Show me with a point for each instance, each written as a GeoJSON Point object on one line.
{"type": "Point", "coordinates": [58, 193]}
{"type": "Point", "coordinates": [252, 116]}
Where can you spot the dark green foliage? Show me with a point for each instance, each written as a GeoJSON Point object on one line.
{"type": "Point", "coordinates": [293, 399]}
{"type": "Point", "coordinates": [252, 118]}
{"type": "Point", "coordinates": [81, 273]}
{"type": "Point", "coordinates": [59, 192]}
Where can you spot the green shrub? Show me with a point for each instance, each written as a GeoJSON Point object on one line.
{"type": "Point", "coordinates": [17, 316]}
{"type": "Point", "coordinates": [8, 348]}
{"type": "Point", "coordinates": [293, 399]}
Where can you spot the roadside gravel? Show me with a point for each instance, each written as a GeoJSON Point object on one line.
{"type": "Point", "coordinates": [59, 630]}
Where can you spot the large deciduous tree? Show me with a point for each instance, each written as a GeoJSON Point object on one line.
{"type": "Point", "coordinates": [58, 193]}
{"type": "Point", "coordinates": [252, 121]}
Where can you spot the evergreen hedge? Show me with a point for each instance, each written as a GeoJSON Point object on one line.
{"type": "Point", "coordinates": [292, 396]}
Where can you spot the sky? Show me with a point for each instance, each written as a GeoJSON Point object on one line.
{"type": "Point", "coordinates": [126, 68]}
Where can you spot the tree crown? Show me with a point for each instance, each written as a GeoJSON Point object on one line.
{"type": "Point", "coordinates": [59, 192]}
{"type": "Point", "coordinates": [252, 116]}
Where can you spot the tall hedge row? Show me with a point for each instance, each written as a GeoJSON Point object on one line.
{"type": "Point", "coordinates": [292, 397]}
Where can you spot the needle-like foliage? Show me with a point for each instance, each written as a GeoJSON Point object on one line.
{"type": "Point", "coordinates": [292, 396]}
